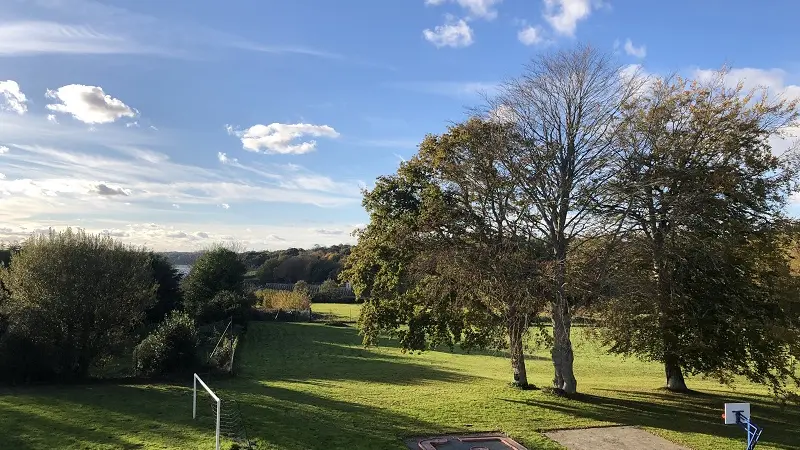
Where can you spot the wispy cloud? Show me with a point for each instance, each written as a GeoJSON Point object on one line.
{"type": "Point", "coordinates": [120, 173]}
{"type": "Point", "coordinates": [33, 37]}
{"type": "Point", "coordinates": [91, 27]}
{"type": "Point", "coordinates": [457, 89]}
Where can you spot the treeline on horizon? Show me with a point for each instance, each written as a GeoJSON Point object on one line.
{"type": "Point", "coordinates": [290, 265]}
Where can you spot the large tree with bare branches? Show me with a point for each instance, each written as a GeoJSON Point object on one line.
{"type": "Point", "coordinates": [565, 110]}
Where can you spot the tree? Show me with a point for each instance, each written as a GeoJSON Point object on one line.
{"type": "Point", "coordinates": [446, 252]}
{"type": "Point", "coordinates": [218, 269]}
{"type": "Point", "coordinates": [168, 296]}
{"type": "Point", "coordinates": [706, 285]}
{"type": "Point", "coordinates": [329, 291]}
{"type": "Point", "coordinates": [565, 109]}
{"type": "Point", "coordinates": [74, 299]}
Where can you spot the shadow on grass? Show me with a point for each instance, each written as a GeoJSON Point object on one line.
{"type": "Point", "coordinates": [105, 416]}
{"type": "Point", "coordinates": [302, 352]}
{"type": "Point", "coordinates": [697, 412]}
{"type": "Point", "coordinates": [289, 419]}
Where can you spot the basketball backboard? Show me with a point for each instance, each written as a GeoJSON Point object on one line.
{"type": "Point", "coordinates": [730, 412]}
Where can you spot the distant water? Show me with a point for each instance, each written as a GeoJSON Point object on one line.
{"type": "Point", "coordinates": [183, 269]}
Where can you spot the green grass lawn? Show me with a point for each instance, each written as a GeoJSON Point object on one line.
{"type": "Point", "coordinates": [341, 312]}
{"type": "Point", "coordinates": [312, 386]}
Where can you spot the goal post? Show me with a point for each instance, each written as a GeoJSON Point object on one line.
{"type": "Point", "coordinates": [213, 396]}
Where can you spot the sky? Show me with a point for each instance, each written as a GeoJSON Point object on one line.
{"type": "Point", "coordinates": [177, 124]}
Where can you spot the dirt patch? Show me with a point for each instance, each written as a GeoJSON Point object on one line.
{"type": "Point", "coordinates": [611, 438]}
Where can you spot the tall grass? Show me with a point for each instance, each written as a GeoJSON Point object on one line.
{"type": "Point", "coordinates": [271, 299]}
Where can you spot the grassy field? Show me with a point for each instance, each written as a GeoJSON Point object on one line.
{"type": "Point", "coordinates": [312, 386]}
{"type": "Point", "coordinates": [340, 312]}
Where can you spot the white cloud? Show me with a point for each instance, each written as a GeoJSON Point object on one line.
{"type": "Point", "coordinates": [632, 50]}
{"type": "Point", "coordinates": [54, 173]}
{"type": "Point", "coordinates": [2, 176]}
{"type": "Point", "coordinates": [225, 206]}
{"type": "Point", "coordinates": [328, 232]}
{"type": "Point", "coordinates": [52, 118]}
{"type": "Point", "coordinates": [530, 35]}
{"type": "Point", "coordinates": [564, 15]}
{"type": "Point", "coordinates": [107, 191]}
{"type": "Point", "coordinates": [3, 149]}
{"type": "Point", "coordinates": [11, 97]}
{"type": "Point", "coordinates": [224, 159]}
{"type": "Point", "coordinates": [176, 206]}
{"type": "Point", "coordinates": [479, 9]}
{"type": "Point", "coordinates": [774, 80]}
{"type": "Point", "coordinates": [777, 86]}
{"type": "Point", "coordinates": [89, 104]}
{"type": "Point", "coordinates": [42, 37]}
{"type": "Point", "coordinates": [282, 138]}
{"type": "Point", "coordinates": [453, 33]}
{"type": "Point", "coordinates": [115, 233]}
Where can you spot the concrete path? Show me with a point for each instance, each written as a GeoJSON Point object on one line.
{"type": "Point", "coordinates": [611, 438]}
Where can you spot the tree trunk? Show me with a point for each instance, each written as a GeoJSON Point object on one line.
{"type": "Point", "coordinates": [562, 353]}
{"type": "Point", "coordinates": [674, 374]}
{"type": "Point", "coordinates": [672, 367]}
{"type": "Point", "coordinates": [516, 331]}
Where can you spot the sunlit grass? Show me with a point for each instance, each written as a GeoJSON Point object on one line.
{"type": "Point", "coordinates": [313, 386]}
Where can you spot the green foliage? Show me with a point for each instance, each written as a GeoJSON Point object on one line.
{"type": "Point", "coordinates": [168, 296]}
{"type": "Point", "coordinates": [73, 299]}
{"type": "Point", "coordinates": [271, 299]}
{"type": "Point", "coordinates": [6, 252]}
{"type": "Point", "coordinates": [437, 265]}
{"type": "Point", "coordinates": [229, 305]}
{"type": "Point", "coordinates": [704, 284]}
{"type": "Point", "coordinates": [292, 265]}
{"type": "Point", "coordinates": [217, 270]}
{"type": "Point", "coordinates": [171, 347]}
{"type": "Point", "coordinates": [222, 358]}
{"type": "Point", "coordinates": [302, 288]}
{"type": "Point", "coordinates": [329, 292]}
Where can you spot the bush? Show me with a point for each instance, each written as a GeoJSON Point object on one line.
{"type": "Point", "coordinates": [228, 305]}
{"type": "Point", "coordinates": [71, 301]}
{"type": "Point", "coordinates": [171, 347]}
{"type": "Point", "coordinates": [271, 299]}
{"type": "Point", "coordinates": [222, 358]}
{"type": "Point", "coordinates": [329, 292]}
{"type": "Point", "coordinates": [217, 270]}
{"type": "Point", "coordinates": [168, 295]}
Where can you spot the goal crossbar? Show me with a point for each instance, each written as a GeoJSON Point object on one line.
{"type": "Point", "coordinates": [213, 396]}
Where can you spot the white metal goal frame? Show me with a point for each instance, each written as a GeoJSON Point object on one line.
{"type": "Point", "coordinates": [213, 396]}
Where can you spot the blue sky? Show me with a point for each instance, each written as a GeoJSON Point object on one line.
{"type": "Point", "coordinates": [178, 123]}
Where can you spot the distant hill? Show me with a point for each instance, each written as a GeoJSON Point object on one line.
{"type": "Point", "coordinates": [182, 258]}
{"type": "Point", "coordinates": [284, 266]}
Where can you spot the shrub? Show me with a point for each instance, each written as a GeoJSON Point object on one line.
{"type": "Point", "coordinates": [228, 304]}
{"type": "Point", "coordinates": [329, 292]}
{"type": "Point", "coordinates": [271, 299]}
{"type": "Point", "coordinates": [223, 356]}
{"type": "Point", "coordinates": [168, 295]}
{"type": "Point", "coordinates": [171, 347]}
{"type": "Point", "coordinates": [71, 300]}
{"type": "Point", "coordinates": [219, 269]}
{"type": "Point", "coordinates": [301, 287]}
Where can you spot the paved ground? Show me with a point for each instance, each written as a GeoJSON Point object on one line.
{"type": "Point", "coordinates": [611, 438]}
